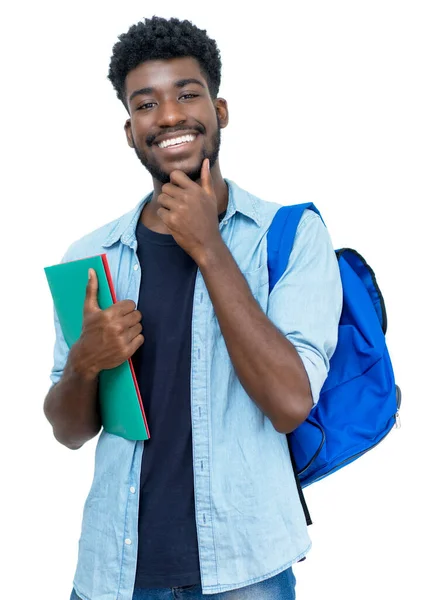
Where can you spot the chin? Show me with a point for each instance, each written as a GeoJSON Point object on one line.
{"type": "Point", "coordinates": [187, 166]}
{"type": "Point", "coordinates": [192, 171]}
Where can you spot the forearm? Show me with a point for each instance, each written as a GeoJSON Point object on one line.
{"type": "Point", "coordinates": [71, 406]}
{"type": "Point", "coordinates": [267, 364]}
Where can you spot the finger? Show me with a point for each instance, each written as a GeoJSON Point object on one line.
{"type": "Point", "coordinates": [205, 177]}
{"type": "Point", "coordinates": [166, 201]}
{"type": "Point", "coordinates": [91, 302]}
{"type": "Point", "coordinates": [135, 344]}
{"type": "Point", "coordinates": [124, 307]}
{"type": "Point", "coordinates": [163, 214]}
{"type": "Point", "coordinates": [132, 318]}
{"type": "Point", "coordinates": [181, 179]}
{"type": "Point", "coordinates": [171, 190]}
{"type": "Point", "coordinates": [133, 332]}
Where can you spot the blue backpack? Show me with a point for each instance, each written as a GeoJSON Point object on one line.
{"type": "Point", "coordinates": [359, 401]}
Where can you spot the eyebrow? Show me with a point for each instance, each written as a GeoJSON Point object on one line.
{"type": "Point", "coordinates": [178, 84]}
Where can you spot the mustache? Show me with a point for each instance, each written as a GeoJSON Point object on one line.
{"type": "Point", "coordinates": [152, 137]}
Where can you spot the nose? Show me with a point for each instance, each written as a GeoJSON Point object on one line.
{"type": "Point", "coordinates": [170, 113]}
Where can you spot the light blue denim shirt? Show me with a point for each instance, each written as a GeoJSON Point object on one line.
{"type": "Point", "coordinates": [250, 522]}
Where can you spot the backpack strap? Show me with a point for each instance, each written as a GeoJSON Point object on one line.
{"type": "Point", "coordinates": [280, 238]}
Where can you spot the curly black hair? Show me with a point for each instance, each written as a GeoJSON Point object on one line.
{"type": "Point", "coordinates": [158, 38]}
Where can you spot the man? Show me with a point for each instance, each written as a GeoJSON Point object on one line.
{"type": "Point", "coordinates": [208, 507]}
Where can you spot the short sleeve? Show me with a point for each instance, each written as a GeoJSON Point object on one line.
{"type": "Point", "coordinates": [305, 304]}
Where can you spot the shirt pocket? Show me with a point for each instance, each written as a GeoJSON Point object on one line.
{"type": "Point", "coordinates": [257, 281]}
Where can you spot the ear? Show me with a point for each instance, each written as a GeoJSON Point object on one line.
{"type": "Point", "coordinates": [128, 132]}
{"type": "Point", "coordinates": [221, 107]}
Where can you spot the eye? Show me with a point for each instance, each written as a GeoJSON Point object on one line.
{"type": "Point", "coordinates": [146, 105]}
{"type": "Point", "coordinates": [189, 96]}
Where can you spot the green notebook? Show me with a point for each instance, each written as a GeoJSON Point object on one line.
{"type": "Point", "coordinates": [120, 400]}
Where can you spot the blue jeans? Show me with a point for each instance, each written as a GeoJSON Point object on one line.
{"type": "Point", "coordinates": [279, 587]}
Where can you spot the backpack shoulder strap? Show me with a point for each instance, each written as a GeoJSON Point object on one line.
{"type": "Point", "coordinates": [280, 238]}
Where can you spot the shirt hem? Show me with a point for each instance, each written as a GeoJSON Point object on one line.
{"type": "Point", "coordinates": [214, 589]}
{"type": "Point", "coordinates": [79, 594]}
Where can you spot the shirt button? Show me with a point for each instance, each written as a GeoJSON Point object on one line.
{"type": "Point", "coordinates": [225, 222]}
{"type": "Point", "coordinates": [135, 267]}
{"type": "Point", "coordinates": [132, 489]}
{"type": "Point", "coordinates": [128, 541]}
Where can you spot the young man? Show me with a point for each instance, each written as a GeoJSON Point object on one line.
{"type": "Point", "coordinates": [208, 507]}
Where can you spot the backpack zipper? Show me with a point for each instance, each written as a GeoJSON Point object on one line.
{"type": "Point", "coordinates": [319, 449]}
{"type": "Point", "coordinates": [396, 424]}
{"type": "Point", "coordinates": [358, 454]}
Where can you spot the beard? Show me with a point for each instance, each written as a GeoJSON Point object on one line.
{"type": "Point", "coordinates": [163, 177]}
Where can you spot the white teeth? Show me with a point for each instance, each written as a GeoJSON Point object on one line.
{"type": "Point", "coordinates": [175, 141]}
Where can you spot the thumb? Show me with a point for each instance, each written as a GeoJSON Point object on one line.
{"type": "Point", "coordinates": [91, 302]}
{"type": "Point", "coordinates": [205, 178]}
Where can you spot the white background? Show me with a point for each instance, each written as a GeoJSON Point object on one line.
{"type": "Point", "coordinates": [331, 102]}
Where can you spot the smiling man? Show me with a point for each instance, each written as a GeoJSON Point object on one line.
{"type": "Point", "coordinates": [208, 507]}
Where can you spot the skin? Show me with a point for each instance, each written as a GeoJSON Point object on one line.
{"type": "Point", "coordinates": [171, 108]}
{"type": "Point", "coordinates": [189, 193]}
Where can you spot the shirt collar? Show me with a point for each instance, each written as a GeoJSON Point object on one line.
{"type": "Point", "coordinates": [239, 201]}
{"type": "Point", "coordinates": [124, 229]}
{"type": "Point", "coordinates": [242, 202]}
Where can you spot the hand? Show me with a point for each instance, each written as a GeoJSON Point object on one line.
{"type": "Point", "coordinates": [189, 211]}
{"type": "Point", "coordinates": [109, 337]}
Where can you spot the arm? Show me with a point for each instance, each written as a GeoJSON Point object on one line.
{"type": "Point", "coordinates": [71, 406]}
{"type": "Point", "coordinates": [109, 337]}
{"type": "Point", "coordinates": [266, 363]}
{"type": "Point", "coordinates": [282, 358]}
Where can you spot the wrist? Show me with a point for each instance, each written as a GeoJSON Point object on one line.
{"type": "Point", "coordinates": [80, 365]}
{"type": "Point", "coordinates": [212, 254]}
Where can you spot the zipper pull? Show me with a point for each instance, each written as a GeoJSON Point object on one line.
{"type": "Point", "coordinates": [397, 420]}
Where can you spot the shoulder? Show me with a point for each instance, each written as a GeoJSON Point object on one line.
{"type": "Point", "coordinates": [92, 240]}
{"type": "Point", "coordinates": [95, 242]}
{"type": "Point", "coordinates": [264, 210]}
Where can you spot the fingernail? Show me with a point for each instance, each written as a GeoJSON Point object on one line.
{"type": "Point", "coordinates": [89, 273]}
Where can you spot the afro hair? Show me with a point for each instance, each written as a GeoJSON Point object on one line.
{"type": "Point", "coordinates": [160, 39]}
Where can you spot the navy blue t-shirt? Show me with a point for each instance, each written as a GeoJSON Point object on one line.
{"type": "Point", "coordinates": [168, 551]}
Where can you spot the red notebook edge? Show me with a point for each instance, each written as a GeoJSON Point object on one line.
{"type": "Point", "coordinates": [134, 377]}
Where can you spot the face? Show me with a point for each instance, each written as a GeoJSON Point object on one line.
{"type": "Point", "coordinates": [174, 123]}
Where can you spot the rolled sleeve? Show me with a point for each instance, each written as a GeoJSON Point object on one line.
{"type": "Point", "coordinates": [60, 353]}
{"type": "Point", "coordinates": [306, 302]}
{"type": "Point", "coordinates": [61, 349]}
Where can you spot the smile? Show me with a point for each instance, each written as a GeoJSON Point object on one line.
{"type": "Point", "coordinates": [177, 141]}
